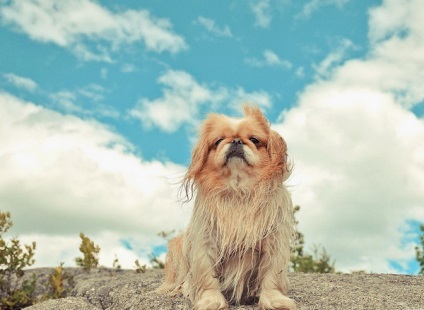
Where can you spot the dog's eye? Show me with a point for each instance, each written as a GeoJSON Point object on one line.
{"type": "Point", "coordinates": [254, 140]}
{"type": "Point", "coordinates": [217, 142]}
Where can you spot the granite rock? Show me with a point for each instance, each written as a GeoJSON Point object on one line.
{"type": "Point", "coordinates": [128, 290]}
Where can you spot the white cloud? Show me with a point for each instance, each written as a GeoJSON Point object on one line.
{"type": "Point", "coordinates": [334, 59]}
{"type": "Point", "coordinates": [128, 68]}
{"type": "Point", "coordinates": [262, 11]}
{"type": "Point", "coordinates": [84, 101]}
{"type": "Point", "coordinates": [260, 98]}
{"type": "Point", "coordinates": [358, 161]}
{"type": "Point", "coordinates": [395, 62]}
{"type": "Point", "coordinates": [100, 53]}
{"type": "Point", "coordinates": [314, 5]}
{"type": "Point", "coordinates": [357, 149]}
{"type": "Point", "coordinates": [300, 72]}
{"type": "Point", "coordinates": [62, 175]}
{"type": "Point", "coordinates": [397, 58]}
{"type": "Point", "coordinates": [20, 81]}
{"type": "Point", "coordinates": [183, 98]}
{"type": "Point", "coordinates": [53, 249]}
{"type": "Point", "coordinates": [104, 73]}
{"type": "Point", "coordinates": [94, 92]}
{"type": "Point", "coordinates": [66, 101]}
{"type": "Point", "coordinates": [74, 24]}
{"type": "Point", "coordinates": [270, 59]}
{"type": "Point", "coordinates": [393, 19]}
{"type": "Point", "coordinates": [211, 26]}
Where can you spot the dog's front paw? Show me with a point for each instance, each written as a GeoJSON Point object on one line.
{"type": "Point", "coordinates": [274, 299]}
{"type": "Point", "coordinates": [211, 300]}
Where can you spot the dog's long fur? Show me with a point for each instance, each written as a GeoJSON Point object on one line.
{"type": "Point", "coordinates": [237, 245]}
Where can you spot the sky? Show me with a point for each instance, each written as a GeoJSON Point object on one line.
{"type": "Point", "coordinates": [101, 101]}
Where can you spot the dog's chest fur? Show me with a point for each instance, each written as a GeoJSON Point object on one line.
{"type": "Point", "coordinates": [239, 234]}
{"type": "Point", "coordinates": [236, 222]}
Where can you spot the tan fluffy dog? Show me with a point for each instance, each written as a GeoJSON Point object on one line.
{"type": "Point", "coordinates": [237, 245]}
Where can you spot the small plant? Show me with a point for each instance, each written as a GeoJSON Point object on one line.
{"type": "Point", "coordinates": [59, 283]}
{"type": "Point", "coordinates": [166, 234]}
{"type": "Point", "coordinates": [90, 252]}
{"type": "Point", "coordinates": [319, 262]}
{"type": "Point", "coordinates": [116, 265]}
{"type": "Point", "coordinates": [13, 259]}
{"type": "Point", "coordinates": [419, 251]}
{"type": "Point", "coordinates": [139, 268]}
{"type": "Point", "coordinates": [56, 282]}
{"type": "Point", "coordinates": [21, 296]}
{"type": "Point", "coordinates": [156, 262]}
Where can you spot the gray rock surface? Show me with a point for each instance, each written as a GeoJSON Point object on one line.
{"type": "Point", "coordinates": [68, 303]}
{"type": "Point", "coordinates": [127, 290]}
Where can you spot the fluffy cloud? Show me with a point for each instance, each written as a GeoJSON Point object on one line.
{"type": "Point", "coordinates": [313, 5]}
{"type": "Point", "coordinates": [62, 175]}
{"type": "Point", "coordinates": [261, 98]}
{"type": "Point", "coordinates": [270, 59]}
{"type": "Point", "coordinates": [211, 26]}
{"type": "Point", "coordinates": [72, 24]}
{"type": "Point", "coordinates": [53, 249]}
{"type": "Point", "coordinates": [358, 152]}
{"type": "Point", "coordinates": [20, 81]}
{"type": "Point", "coordinates": [358, 160]}
{"type": "Point", "coordinates": [395, 61]}
{"type": "Point", "coordinates": [183, 98]}
{"type": "Point", "coordinates": [333, 59]}
{"type": "Point", "coordinates": [262, 11]}
{"type": "Point", "coordinates": [85, 101]}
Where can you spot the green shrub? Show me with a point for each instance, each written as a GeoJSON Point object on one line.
{"type": "Point", "coordinates": [13, 259]}
{"type": "Point", "coordinates": [139, 268]}
{"type": "Point", "coordinates": [156, 262]}
{"type": "Point", "coordinates": [56, 282]}
{"type": "Point", "coordinates": [90, 253]}
{"type": "Point", "coordinates": [116, 265]}
{"type": "Point", "coordinates": [318, 262]}
{"type": "Point", "coordinates": [56, 285]}
{"type": "Point", "coordinates": [419, 251]}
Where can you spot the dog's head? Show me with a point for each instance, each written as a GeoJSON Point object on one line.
{"type": "Point", "coordinates": [237, 153]}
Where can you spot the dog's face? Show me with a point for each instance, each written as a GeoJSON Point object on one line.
{"type": "Point", "coordinates": [237, 152]}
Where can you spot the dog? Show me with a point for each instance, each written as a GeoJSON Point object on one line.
{"type": "Point", "coordinates": [237, 245]}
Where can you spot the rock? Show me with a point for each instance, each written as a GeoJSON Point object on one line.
{"type": "Point", "coordinates": [127, 290]}
{"type": "Point", "coordinates": [68, 303]}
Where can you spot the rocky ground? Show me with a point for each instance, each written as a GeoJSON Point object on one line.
{"type": "Point", "coordinates": [125, 290]}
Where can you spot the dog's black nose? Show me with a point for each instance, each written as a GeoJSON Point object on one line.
{"type": "Point", "coordinates": [236, 149]}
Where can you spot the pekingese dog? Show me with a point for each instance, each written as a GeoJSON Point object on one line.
{"type": "Point", "coordinates": [237, 245]}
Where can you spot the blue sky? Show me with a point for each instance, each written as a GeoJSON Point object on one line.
{"type": "Point", "coordinates": [222, 46]}
{"type": "Point", "coordinates": [101, 101]}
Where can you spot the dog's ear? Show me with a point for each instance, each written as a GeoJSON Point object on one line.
{"type": "Point", "coordinates": [256, 113]}
{"type": "Point", "coordinates": [198, 160]}
{"type": "Point", "coordinates": [199, 156]}
{"type": "Point", "coordinates": [277, 151]}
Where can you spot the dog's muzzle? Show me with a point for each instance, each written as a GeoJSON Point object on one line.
{"type": "Point", "coordinates": [236, 150]}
